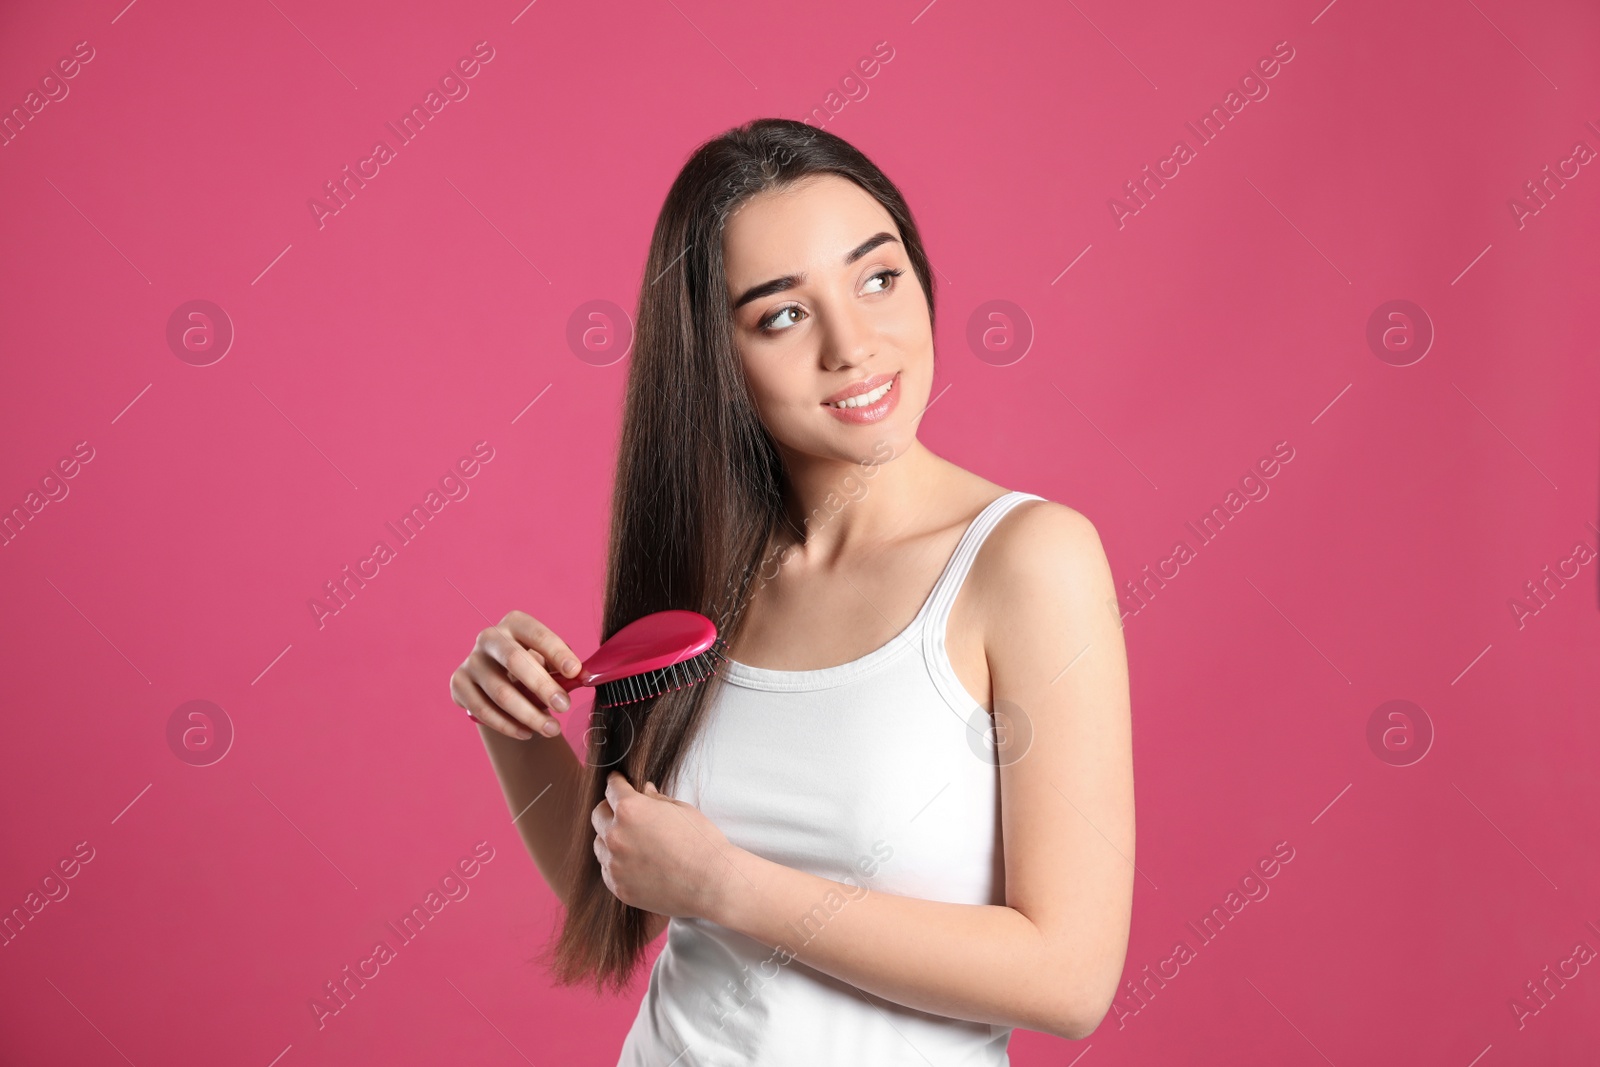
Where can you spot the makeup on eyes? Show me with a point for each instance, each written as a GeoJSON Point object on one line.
{"type": "Point", "coordinates": [764, 325]}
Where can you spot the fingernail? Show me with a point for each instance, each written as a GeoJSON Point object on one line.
{"type": "Point", "coordinates": [560, 702]}
{"type": "Point", "coordinates": [568, 666]}
{"type": "Point", "coordinates": [552, 728]}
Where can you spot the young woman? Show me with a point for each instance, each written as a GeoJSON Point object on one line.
{"type": "Point", "coordinates": [898, 821]}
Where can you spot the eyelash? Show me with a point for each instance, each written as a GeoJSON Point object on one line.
{"type": "Point", "coordinates": [765, 325]}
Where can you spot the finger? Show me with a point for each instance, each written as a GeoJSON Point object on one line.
{"type": "Point", "coordinates": [617, 787]}
{"type": "Point", "coordinates": [601, 818]}
{"type": "Point", "coordinates": [469, 695]}
{"type": "Point", "coordinates": [536, 635]}
{"type": "Point", "coordinates": [652, 791]}
{"type": "Point", "coordinates": [530, 667]}
{"type": "Point", "coordinates": [508, 696]}
{"type": "Point", "coordinates": [532, 671]}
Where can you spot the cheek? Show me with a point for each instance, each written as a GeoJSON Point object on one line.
{"type": "Point", "coordinates": [778, 391]}
{"type": "Point", "coordinates": [912, 333]}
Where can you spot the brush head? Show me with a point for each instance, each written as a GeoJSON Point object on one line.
{"type": "Point", "coordinates": [655, 654]}
{"type": "Point", "coordinates": [643, 686]}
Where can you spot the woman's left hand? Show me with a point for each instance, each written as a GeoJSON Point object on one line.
{"type": "Point", "coordinates": [659, 854]}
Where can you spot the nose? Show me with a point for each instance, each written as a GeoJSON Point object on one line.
{"type": "Point", "coordinates": [848, 337]}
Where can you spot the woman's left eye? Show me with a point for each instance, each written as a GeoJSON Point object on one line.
{"type": "Point", "coordinates": [886, 274]}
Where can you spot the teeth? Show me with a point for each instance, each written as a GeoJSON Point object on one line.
{"type": "Point", "coordinates": [865, 399]}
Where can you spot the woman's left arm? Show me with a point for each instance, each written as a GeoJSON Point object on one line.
{"type": "Point", "coordinates": [1049, 959]}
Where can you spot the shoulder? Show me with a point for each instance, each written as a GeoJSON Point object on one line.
{"type": "Point", "coordinates": [1039, 538]}
{"type": "Point", "coordinates": [1043, 566]}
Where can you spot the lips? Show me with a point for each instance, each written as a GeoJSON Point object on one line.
{"type": "Point", "coordinates": [865, 385]}
{"type": "Point", "coordinates": [869, 407]}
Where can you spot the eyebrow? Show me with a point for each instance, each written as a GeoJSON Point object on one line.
{"type": "Point", "coordinates": [790, 281]}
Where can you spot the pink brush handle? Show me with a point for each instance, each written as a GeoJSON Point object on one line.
{"type": "Point", "coordinates": [569, 684]}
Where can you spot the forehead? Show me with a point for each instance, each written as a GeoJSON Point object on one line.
{"type": "Point", "coordinates": [809, 225]}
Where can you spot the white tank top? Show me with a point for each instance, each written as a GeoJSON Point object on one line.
{"type": "Point", "coordinates": [879, 773]}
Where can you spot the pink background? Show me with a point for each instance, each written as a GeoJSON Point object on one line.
{"type": "Point", "coordinates": [371, 354]}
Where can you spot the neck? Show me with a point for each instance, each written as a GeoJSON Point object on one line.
{"type": "Point", "coordinates": [833, 506]}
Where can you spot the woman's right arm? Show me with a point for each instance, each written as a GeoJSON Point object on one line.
{"type": "Point", "coordinates": [538, 771]}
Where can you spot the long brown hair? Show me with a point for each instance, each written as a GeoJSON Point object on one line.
{"type": "Point", "coordinates": [699, 486]}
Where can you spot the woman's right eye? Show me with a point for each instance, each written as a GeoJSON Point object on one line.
{"type": "Point", "coordinates": [766, 324]}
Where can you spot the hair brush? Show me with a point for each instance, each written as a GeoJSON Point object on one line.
{"type": "Point", "coordinates": [654, 654]}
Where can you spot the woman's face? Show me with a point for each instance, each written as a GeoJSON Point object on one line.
{"type": "Point", "coordinates": [819, 311]}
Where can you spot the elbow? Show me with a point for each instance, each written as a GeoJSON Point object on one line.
{"type": "Point", "coordinates": [1085, 1021]}
{"type": "Point", "coordinates": [1074, 1012]}
{"type": "Point", "coordinates": [1080, 991]}
{"type": "Point", "coordinates": [1093, 1004]}
{"type": "Point", "coordinates": [1074, 1021]}
{"type": "Point", "coordinates": [1068, 1017]}
{"type": "Point", "coordinates": [1069, 1021]}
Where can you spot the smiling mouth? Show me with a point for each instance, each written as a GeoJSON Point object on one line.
{"type": "Point", "coordinates": [867, 399]}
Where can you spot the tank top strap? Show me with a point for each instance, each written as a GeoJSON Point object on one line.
{"type": "Point", "coordinates": [943, 597]}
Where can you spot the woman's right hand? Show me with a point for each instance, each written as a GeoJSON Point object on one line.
{"type": "Point", "coordinates": [508, 664]}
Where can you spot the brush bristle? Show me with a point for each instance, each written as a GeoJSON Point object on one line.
{"type": "Point", "coordinates": [638, 687]}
